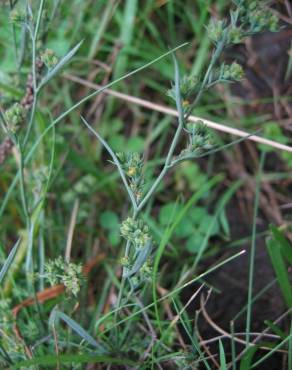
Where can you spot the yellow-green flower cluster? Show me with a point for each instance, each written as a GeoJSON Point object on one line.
{"type": "Point", "coordinates": [70, 274]}
{"type": "Point", "coordinates": [189, 86]}
{"type": "Point", "coordinates": [132, 164]}
{"type": "Point", "coordinates": [232, 72]}
{"type": "Point", "coordinates": [199, 135]}
{"type": "Point", "coordinates": [136, 231]}
{"type": "Point", "coordinates": [49, 58]}
{"type": "Point", "coordinates": [14, 117]}
{"type": "Point", "coordinates": [249, 17]}
{"type": "Point", "coordinates": [17, 16]}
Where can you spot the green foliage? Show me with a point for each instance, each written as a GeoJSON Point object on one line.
{"type": "Point", "coordinates": [110, 222]}
{"type": "Point", "coordinates": [59, 190]}
{"type": "Point", "coordinates": [193, 228]}
{"type": "Point", "coordinates": [280, 251]}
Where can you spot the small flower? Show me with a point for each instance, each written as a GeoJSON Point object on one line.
{"type": "Point", "coordinates": [135, 231]}
{"type": "Point", "coordinates": [17, 16]}
{"type": "Point", "coordinates": [232, 72]}
{"type": "Point", "coordinates": [235, 35]}
{"type": "Point", "coordinates": [132, 171]}
{"type": "Point", "coordinates": [199, 138]}
{"type": "Point", "coordinates": [70, 274]}
{"type": "Point", "coordinates": [49, 58]}
{"type": "Point", "coordinates": [125, 262]}
{"type": "Point", "coordinates": [189, 85]}
{"type": "Point", "coordinates": [216, 30]}
{"type": "Point", "coordinates": [14, 117]}
{"type": "Point", "coordinates": [132, 164]}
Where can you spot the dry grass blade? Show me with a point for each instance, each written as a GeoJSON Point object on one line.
{"type": "Point", "coordinates": [162, 109]}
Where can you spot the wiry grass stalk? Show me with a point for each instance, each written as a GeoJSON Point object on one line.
{"type": "Point", "coordinates": [253, 250]}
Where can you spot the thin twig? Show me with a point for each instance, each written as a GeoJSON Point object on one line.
{"type": "Point", "coordinates": [71, 230]}
{"type": "Point", "coordinates": [261, 335]}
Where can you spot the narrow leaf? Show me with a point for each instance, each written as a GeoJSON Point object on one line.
{"type": "Point", "coordinates": [223, 365]}
{"type": "Point", "coordinates": [246, 361]}
{"type": "Point", "coordinates": [141, 259]}
{"type": "Point", "coordinates": [280, 270]}
{"type": "Point", "coordinates": [77, 328]}
{"type": "Point", "coordinates": [9, 260]}
{"type": "Point", "coordinates": [59, 65]}
{"type": "Point", "coordinates": [286, 247]}
{"type": "Point", "coordinates": [51, 360]}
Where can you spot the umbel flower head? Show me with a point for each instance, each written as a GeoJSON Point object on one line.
{"type": "Point", "coordinates": [135, 231]}
{"type": "Point", "coordinates": [70, 274]}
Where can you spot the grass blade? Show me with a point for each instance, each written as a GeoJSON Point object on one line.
{"type": "Point", "coordinates": [9, 260]}
{"type": "Point", "coordinates": [285, 246]}
{"type": "Point", "coordinates": [75, 327]}
{"type": "Point", "coordinates": [280, 270]}
{"type": "Point", "coordinates": [223, 365]}
{"type": "Point", "coordinates": [59, 66]}
{"type": "Point", "coordinates": [52, 360]}
{"type": "Point", "coordinates": [245, 363]}
{"type": "Point", "coordinates": [253, 251]}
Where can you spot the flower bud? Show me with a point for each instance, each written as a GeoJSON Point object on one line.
{"type": "Point", "coordinates": [49, 58]}
{"type": "Point", "coordinates": [14, 117]}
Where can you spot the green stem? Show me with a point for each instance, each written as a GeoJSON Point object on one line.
{"type": "Point", "coordinates": [34, 37]}
{"type": "Point", "coordinates": [174, 141]}
{"type": "Point", "coordinates": [214, 59]}
{"type": "Point", "coordinates": [22, 185]}
{"type": "Point", "coordinates": [252, 250]}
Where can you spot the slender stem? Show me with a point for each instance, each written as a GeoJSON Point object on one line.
{"type": "Point", "coordinates": [22, 185]}
{"type": "Point", "coordinates": [193, 155]}
{"type": "Point", "coordinates": [252, 251]}
{"type": "Point", "coordinates": [123, 280]}
{"type": "Point", "coordinates": [116, 162]}
{"type": "Point", "coordinates": [34, 37]}
{"type": "Point", "coordinates": [67, 112]}
{"type": "Point", "coordinates": [34, 82]}
{"type": "Point", "coordinates": [214, 59]}
{"type": "Point", "coordinates": [181, 117]}
{"type": "Point", "coordinates": [39, 16]}
{"type": "Point", "coordinates": [179, 129]}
